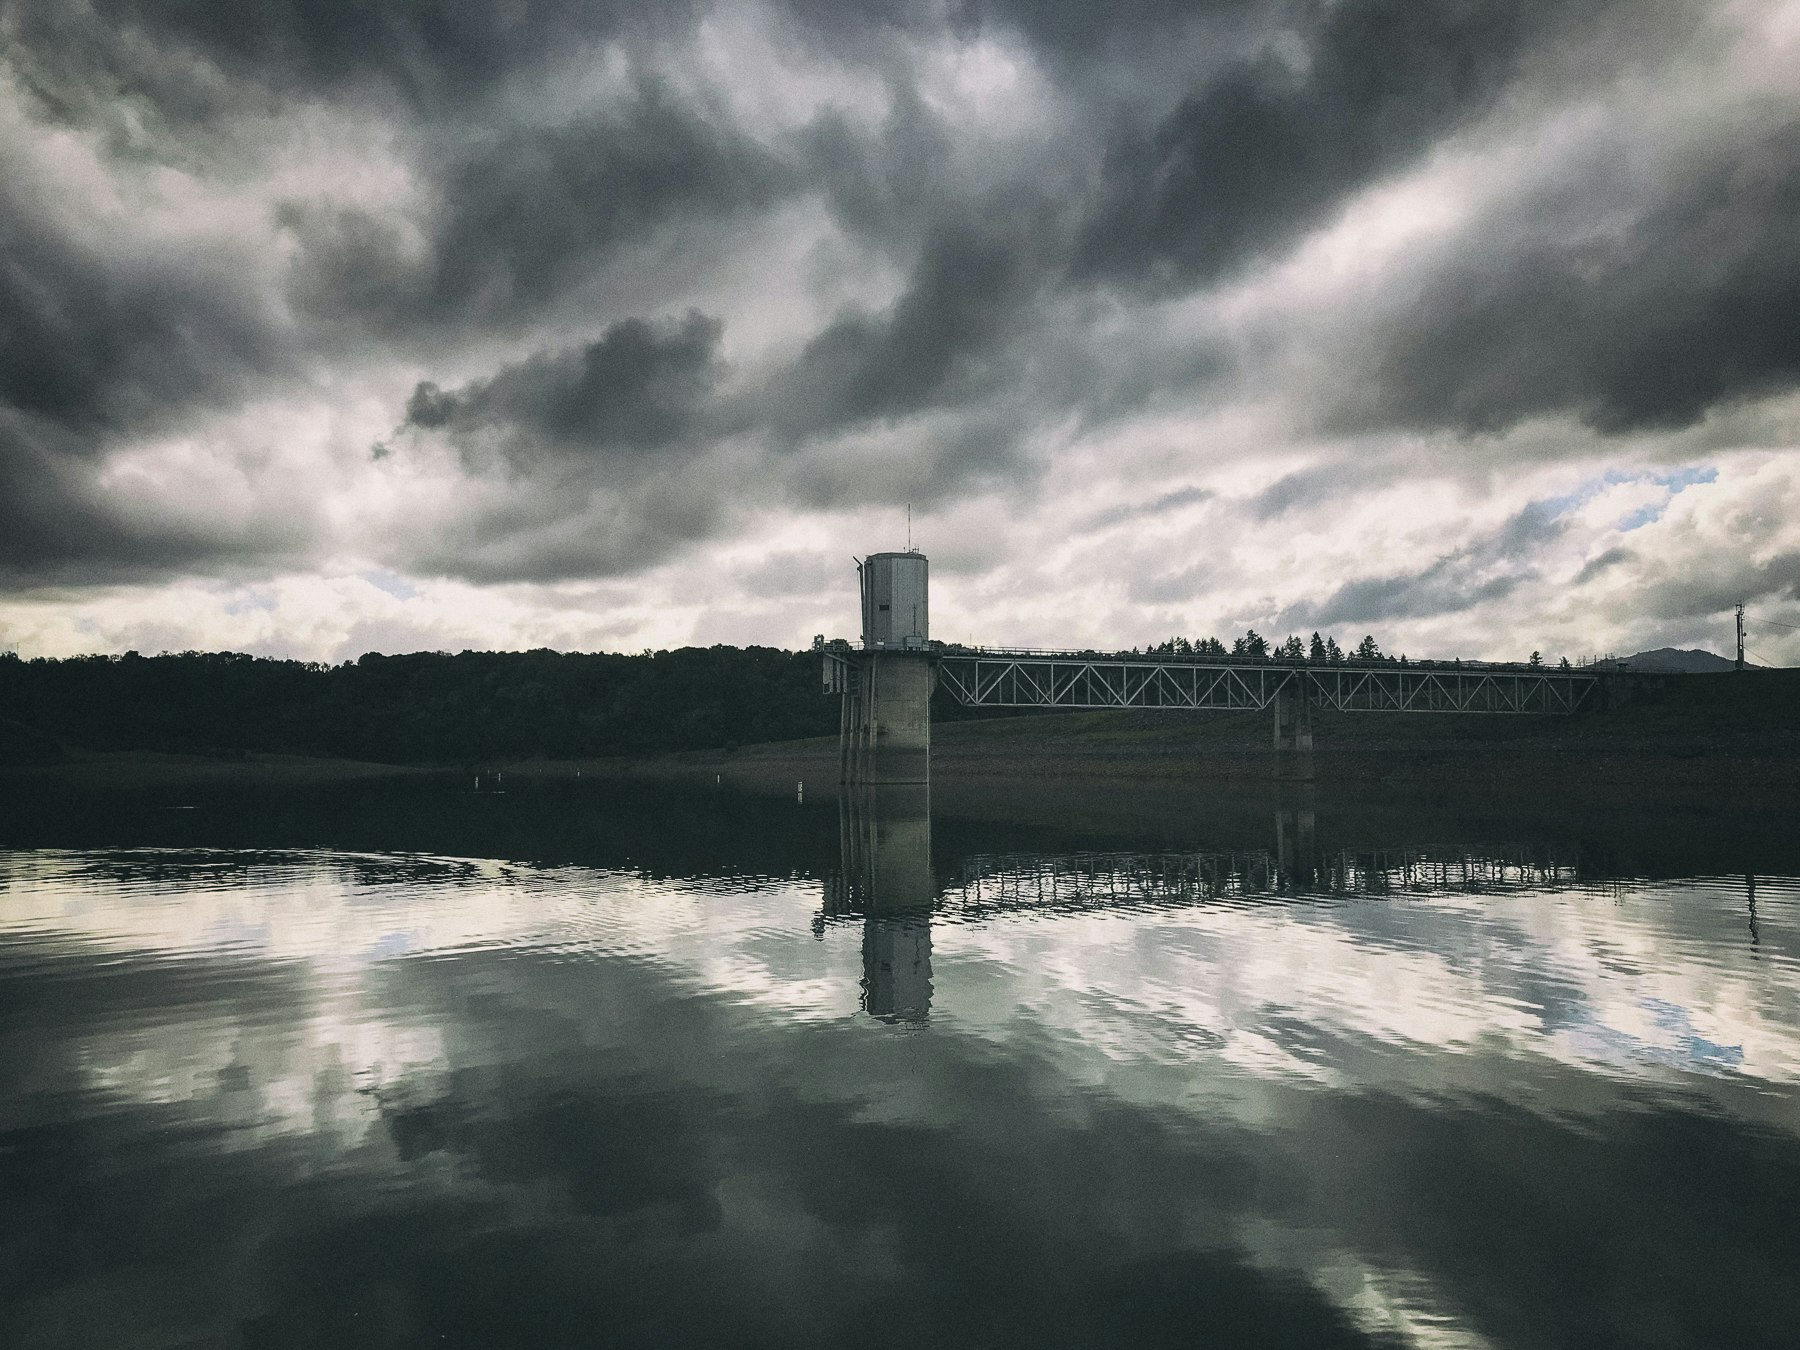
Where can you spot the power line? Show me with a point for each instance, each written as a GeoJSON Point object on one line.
{"type": "Point", "coordinates": [1778, 623]}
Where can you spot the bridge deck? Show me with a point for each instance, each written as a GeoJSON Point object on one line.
{"type": "Point", "coordinates": [1047, 680]}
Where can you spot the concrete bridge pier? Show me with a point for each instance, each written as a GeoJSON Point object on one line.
{"type": "Point", "coordinates": [1293, 732]}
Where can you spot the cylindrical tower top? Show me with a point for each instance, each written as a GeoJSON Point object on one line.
{"type": "Point", "coordinates": [895, 600]}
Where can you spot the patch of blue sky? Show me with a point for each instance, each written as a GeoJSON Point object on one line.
{"type": "Point", "coordinates": [1686, 478]}
{"type": "Point", "coordinates": [1675, 481]}
{"type": "Point", "coordinates": [1652, 512]}
{"type": "Point", "coordinates": [397, 586]}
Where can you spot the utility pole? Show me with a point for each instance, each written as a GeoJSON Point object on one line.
{"type": "Point", "coordinates": [1740, 626]}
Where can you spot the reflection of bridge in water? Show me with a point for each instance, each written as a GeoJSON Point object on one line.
{"type": "Point", "coordinates": [1110, 880]}
{"type": "Point", "coordinates": [885, 880]}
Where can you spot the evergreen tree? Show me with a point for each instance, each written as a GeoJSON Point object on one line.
{"type": "Point", "coordinates": [1367, 650]}
{"type": "Point", "coordinates": [1315, 651]}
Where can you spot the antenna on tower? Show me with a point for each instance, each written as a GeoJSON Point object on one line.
{"type": "Point", "coordinates": [1740, 635]}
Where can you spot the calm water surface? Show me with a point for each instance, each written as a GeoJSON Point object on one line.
{"type": "Point", "coordinates": [662, 1070]}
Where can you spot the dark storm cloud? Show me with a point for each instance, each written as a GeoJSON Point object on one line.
{"type": "Point", "coordinates": [524, 213]}
{"type": "Point", "coordinates": [1169, 501]}
{"type": "Point", "coordinates": [887, 183]}
{"type": "Point", "coordinates": [1165, 146]}
{"type": "Point", "coordinates": [1612, 557]}
{"type": "Point", "coordinates": [1306, 487]}
{"type": "Point", "coordinates": [1135, 44]}
{"type": "Point", "coordinates": [1690, 305]}
{"type": "Point", "coordinates": [1330, 481]}
{"type": "Point", "coordinates": [102, 339]}
{"type": "Point", "coordinates": [574, 519]}
{"type": "Point", "coordinates": [1072, 30]}
{"type": "Point", "coordinates": [196, 62]}
{"type": "Point", "coordinates": [640, 387]}
{"type": "Point", "coordinates": [105, 335]}
{"type": "Point", "coordinates": [602, 421]}
{"type": "Point", "coordinates": [1490, 568]}
{"type": "Point", "coordinates": [1247, 164]}
{"type": "Point", "coordinates": [942, 342]}
{"type": "Point", "coordinates": [58, 524]}
{"type": "Point", "coordinates": [1714, 592]}
{"type": "Point", "coordinates": [599, 452]}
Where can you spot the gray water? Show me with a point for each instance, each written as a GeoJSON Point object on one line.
{"type": "Point", "coordinates": [678, 1070]}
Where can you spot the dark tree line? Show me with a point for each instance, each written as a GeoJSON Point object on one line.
{"type": "Point", "coordinates": [428, 707]}
{"type": "Point", "coordinates": [1253, 646]}
{"type": "Point", "coordinates": [1320, 651]}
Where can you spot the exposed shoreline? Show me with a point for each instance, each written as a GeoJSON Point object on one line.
{"type": "Point", "coordinates": [1231, 750]}
{"type": "Point", "coordinates": [1721, 738]}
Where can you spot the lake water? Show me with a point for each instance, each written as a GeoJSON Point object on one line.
{"type": "Point", "coordinates": [574, 1065]}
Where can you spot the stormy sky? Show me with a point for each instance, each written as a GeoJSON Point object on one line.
{"type": "Point", "coordinates": [330, 326]}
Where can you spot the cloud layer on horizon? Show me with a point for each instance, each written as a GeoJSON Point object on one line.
{"type": "Point", "coordinates": [582, 325]}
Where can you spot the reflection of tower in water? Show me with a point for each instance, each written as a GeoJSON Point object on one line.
{"type": "Point", "coordinates": [1296, 840]}
{"type": "Point", "coordinates": [884, 841]}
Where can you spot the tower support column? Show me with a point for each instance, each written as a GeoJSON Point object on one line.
{"type": "Point", "coordinates": [1293, 732]}
{"type": "Point", "coordinates": [886, 726]}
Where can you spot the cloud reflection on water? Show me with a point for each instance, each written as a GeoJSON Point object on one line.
{"type": "Point", "coordinates": [514, 1104]}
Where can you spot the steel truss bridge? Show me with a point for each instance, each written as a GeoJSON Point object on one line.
{"type": "Point", "coordinates": [1019, 679]}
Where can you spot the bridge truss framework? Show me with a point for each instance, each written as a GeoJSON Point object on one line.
{"type": "Point", "coordinates": [1020, 680]}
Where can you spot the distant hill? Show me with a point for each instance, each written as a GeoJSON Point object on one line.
{"type": "Point", "coordinates": [1673, 661]}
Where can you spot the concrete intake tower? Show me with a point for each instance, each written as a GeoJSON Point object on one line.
{"type": "Point", "coordinates": [884, 726]}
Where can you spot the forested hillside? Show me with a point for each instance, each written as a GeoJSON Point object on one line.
{"type": "Point", "coordinates": [428, 707]}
